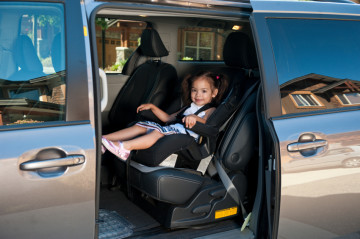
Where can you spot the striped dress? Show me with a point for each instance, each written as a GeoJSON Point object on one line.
{"type": "Point", "coordinates": [174, 128]}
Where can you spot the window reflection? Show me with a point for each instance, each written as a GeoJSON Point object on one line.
{"type": "Point", "coordinates": [315, 63]}
{"type": "Point", "coordinates": [32, 69]}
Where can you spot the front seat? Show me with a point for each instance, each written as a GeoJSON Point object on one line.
{"type": "Point", "coordinates": [179, 197]}
{"type": "Point", "coordinates": [27, 61]}
{"type": "Point", "coordinates": [151, 82]}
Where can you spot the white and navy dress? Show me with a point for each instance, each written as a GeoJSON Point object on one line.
{"type": "Point", "coordinates": [176, 128]}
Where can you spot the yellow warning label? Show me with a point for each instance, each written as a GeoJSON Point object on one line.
{"type": "Point", "coordinates": [225, 212]}
{"type": "Point", "coordinates": [85, 31]}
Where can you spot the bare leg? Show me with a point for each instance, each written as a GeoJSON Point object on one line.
{"type": "Point", "coordinates": [143, 142]}
{"type": "Point", "coordinates": [126, 134]}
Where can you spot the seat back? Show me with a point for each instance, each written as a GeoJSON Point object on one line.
{"type": "Point", "coordinates": [151, 82]}
{"type": "Point", "coordinates": [240, 57]}
{"type": "Point", "coordinates": [185, 146]}
{"type": "Point", "coordinates": [27, 61]}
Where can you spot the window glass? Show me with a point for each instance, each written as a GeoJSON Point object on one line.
{"type": "Point", "coordinates": [201, 43]}
{"type": "Point", "coordinates": [32, 69]}
{"type": "Point", "coordinates": [318, 58]}
{"type": "Point", "coordinates": [116, 40]}
{"type": "Point", "coordinates": [349, 98]}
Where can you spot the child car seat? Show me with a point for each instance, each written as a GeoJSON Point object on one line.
{"type": "Point", "coordinates": [151, 82]}
{"type": "Point", "coordinates": [238, 55]}
{"type": "Point", "coordinates": [183, 197]}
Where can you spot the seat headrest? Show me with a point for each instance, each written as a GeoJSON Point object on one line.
{"type": "Point", "coordinates": [151, 44]}
{"type": "Point", "coordinates": [57, 54]}
{"type": "Point", "coordinates": [25, 55]}
{"type": "Point", "coordinates": [239, 51]}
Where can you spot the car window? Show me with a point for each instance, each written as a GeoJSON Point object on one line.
{"type": "Point", "coordinates": [116, 40]}
{"type": "Point", "coordinates": [32, 69]}
{"type": "Point", "coordinates": [316, 62]}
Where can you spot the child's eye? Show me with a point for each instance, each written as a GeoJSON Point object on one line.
{"type": "Point", "coordinates": [204, 91]}
{"type": "Point", "coordinates": [193, 90]}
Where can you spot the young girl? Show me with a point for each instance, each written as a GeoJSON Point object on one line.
{"type": "Point", "coordinates": [203, 89]}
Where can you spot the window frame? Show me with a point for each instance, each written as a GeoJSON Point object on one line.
{"type": "Point", "coordinates": [198, 47]}
{"type": "Point", "coordinates": [314, 98]}
{"type": "Point", "coordinates": [344, 95]}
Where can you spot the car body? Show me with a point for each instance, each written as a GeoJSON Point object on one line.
{"type": "Point", "coordinates": [55, 105]}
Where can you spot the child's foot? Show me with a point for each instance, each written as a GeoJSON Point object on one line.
{"type": "Point", "coordinates": [119, 151]}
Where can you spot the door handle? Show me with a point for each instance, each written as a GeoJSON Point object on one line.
{"type": "Point", "coordinates": [71, 160]}
{"type": "Point", "coordinates": [295, 147]}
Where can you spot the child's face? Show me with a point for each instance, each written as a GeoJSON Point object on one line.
{"type": "Point", "coordinates": [202, 92]}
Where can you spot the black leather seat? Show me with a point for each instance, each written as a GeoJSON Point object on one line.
{"type": "Point", "coordinates": [151, 82]}
{"type": "Point", "coordinates": [28, 63]}
{"type": "Point", "coordinates": [240, 57]}
{"type": "Point", "coordinates": [184, 197]}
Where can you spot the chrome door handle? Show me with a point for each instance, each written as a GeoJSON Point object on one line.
{"type": "Point", "coordinates": [71, 160]}
{"type": "Point", "coordinates": [295, 147]}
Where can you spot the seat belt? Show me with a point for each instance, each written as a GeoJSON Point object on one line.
{"type": "Point", "coordinates": [233, 192]}
{"type": "Point", "coordinates": [229, 186]}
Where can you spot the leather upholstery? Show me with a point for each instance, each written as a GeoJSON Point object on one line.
{"type": "Point", "coordinates": [27, 60]}
{"type": "Point", "coordinates": [189, 198]}
{"type": "Point", "coordinates": [239, 51]}
{"type": "Point", "coordinates": [151, 82]}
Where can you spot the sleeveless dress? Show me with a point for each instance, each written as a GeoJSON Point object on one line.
{"type": "Point", "coordinates": [176, 128]}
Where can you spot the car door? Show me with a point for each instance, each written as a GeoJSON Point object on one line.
{"type": "Point", "coordinates": [47, 152]}
{"type": "Point", "coordinates": [311, 95]}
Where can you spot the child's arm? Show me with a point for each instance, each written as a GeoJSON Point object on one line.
{"type": "Point", "coordinates": [190, 120]}
{"type": "Point", "coordinates": [163, 116]}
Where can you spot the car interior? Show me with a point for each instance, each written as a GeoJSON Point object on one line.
{"type": "Point", "coordinates": [178, 185]}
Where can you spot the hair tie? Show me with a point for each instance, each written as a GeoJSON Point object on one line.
{"type": "Point", "coordinates": [217, 77]}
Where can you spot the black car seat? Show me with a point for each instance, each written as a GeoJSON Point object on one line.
{"type": "Point", "coordinates": [27, 61]}
{"type": "Point", "coordinates": [179, 197]}
{"type": "Point", "coordinates": [151, 82]}
{"type": "Point", "coordinates": [239, 58]}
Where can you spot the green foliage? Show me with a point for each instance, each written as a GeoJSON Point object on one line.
{"type": "Point", "coordinates": [44, 20]}
{"type": "Point", "coordinates": [186, 58]}
{"type": "Point", "coordinates": [102, 22]}
{"type": "Point", "coordinates": [117, 66]}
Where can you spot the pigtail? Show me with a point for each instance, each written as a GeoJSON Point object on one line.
{"type": "Point", "coordinates": [186, 89]}
{"type": "Point", "coordinates": [221, 83]}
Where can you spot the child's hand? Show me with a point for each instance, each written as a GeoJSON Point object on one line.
{"type": "Point", "coordinates": [189, 121]}
{"type": "Point", "coordinates": [144, 107]}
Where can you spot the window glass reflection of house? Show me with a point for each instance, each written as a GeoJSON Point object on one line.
{"type": "Point", "coordinates": [313, 92]}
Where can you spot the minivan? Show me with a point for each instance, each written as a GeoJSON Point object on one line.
{"type": "Point", "coordinates": [279, 157]}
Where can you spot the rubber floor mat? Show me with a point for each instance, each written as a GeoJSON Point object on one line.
{"type": "Point", "coordinates": [114, 226]}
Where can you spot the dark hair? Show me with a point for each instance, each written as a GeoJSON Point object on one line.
{"type": "Point", "coordinates": [217, 81]}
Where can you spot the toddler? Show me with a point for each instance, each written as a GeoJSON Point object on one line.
{"type": "Point", "coordinates": [201, 92]}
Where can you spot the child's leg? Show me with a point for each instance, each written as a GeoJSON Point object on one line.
{"type": "Point", "coordinates": [143, 142]}
{"type": "Point", "coordinates": [126, 134]}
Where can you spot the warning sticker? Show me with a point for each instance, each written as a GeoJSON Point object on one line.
{"type": "Point", "coordinates": [225, 212]}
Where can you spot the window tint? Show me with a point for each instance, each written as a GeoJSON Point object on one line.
{"type": "Point", "coordinates": [32, 69]}
{"type": "Point", "coordinates": [318, 58]}
{"type": "Point", "coordinates": [116, 40]}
